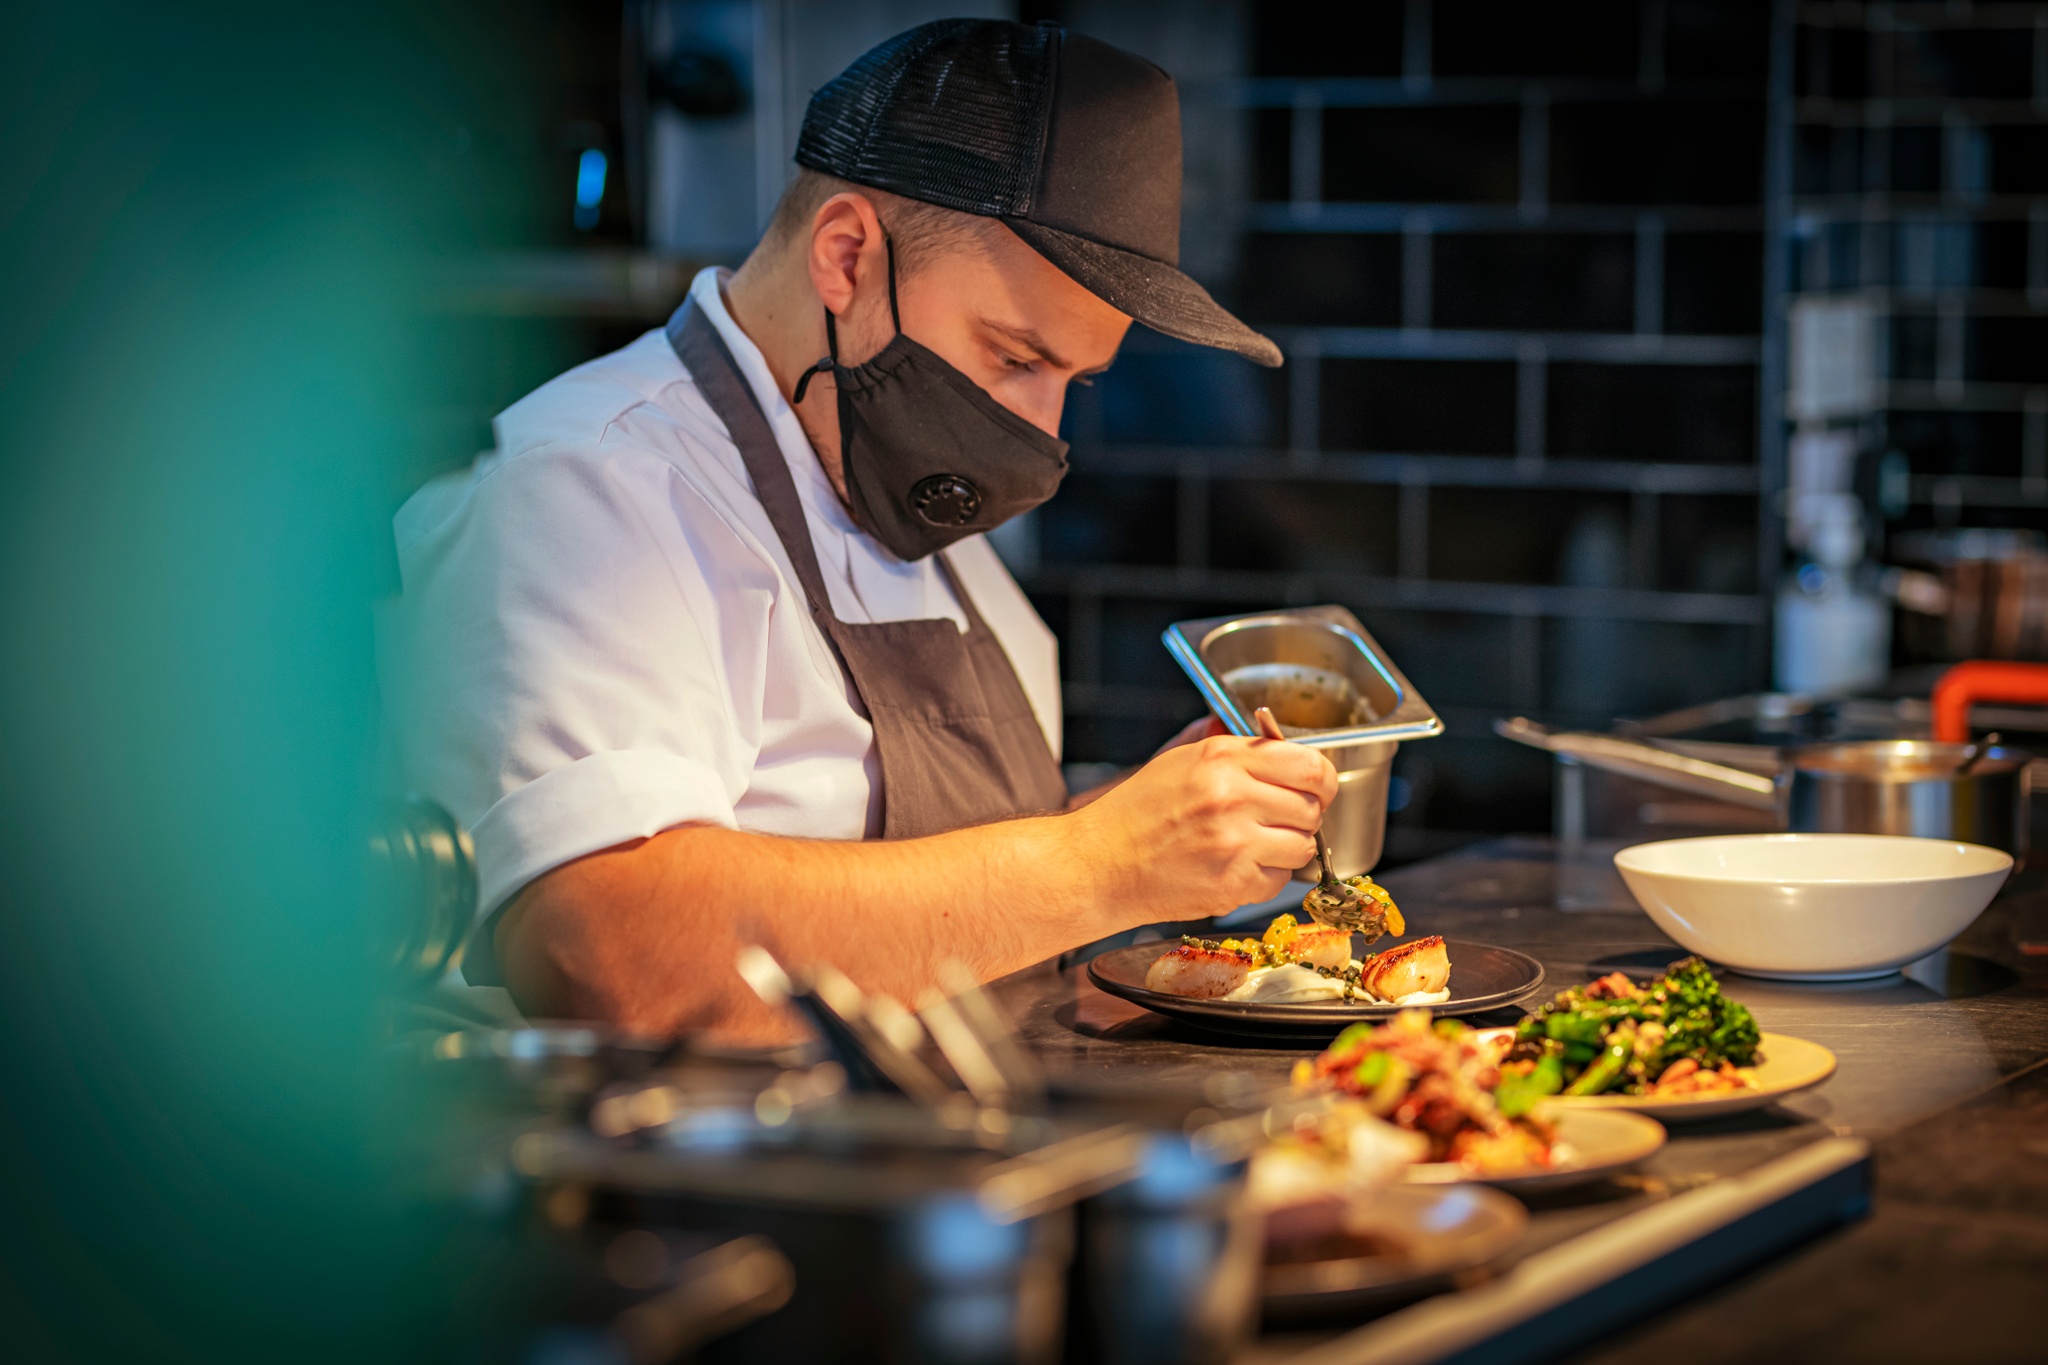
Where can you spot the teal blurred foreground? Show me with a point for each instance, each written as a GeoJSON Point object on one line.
{"type": "Point", "coordinates": [213, 220]}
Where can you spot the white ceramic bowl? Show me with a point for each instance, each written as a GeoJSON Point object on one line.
{"type": "Point", "coordinates": [1813, 907]}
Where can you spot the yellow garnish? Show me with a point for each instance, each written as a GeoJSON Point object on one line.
{"type": "Point", "coordinates": [1282, 932]}
{"type": "Point", "coordinates": [1366, 886]}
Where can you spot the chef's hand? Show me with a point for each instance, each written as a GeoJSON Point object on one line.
{"type": "Point", "coordinates": [1207, 826]}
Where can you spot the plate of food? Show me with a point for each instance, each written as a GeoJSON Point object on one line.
{"type": "Point", "coordinates": [1436, 1089]}
{"type": "Point", "coordinates": [1393, 1244]}
{"type": "Point", "coordinates": [1673, 1047]}
{"type": "Point", "coordinates": [1305, 979]}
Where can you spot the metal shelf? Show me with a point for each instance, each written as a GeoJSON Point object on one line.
{"type": "Point", "coordinates": [1528, 600]}
{"type": "Point", "coordinates": [1380, 218]}
{"type": "Point", "coordinates": [1412, 470]}
{"type": "Point", "coordinates": [1419, 343]}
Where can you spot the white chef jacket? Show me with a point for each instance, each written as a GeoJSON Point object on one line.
{"type": "Point", "coordinates": [602, 638]}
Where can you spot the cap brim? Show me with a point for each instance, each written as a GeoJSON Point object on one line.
{"type": "Point", "coordinates": [1150, 291]}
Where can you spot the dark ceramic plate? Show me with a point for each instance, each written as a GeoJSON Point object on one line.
{"type": "Point", "coordinates": [1483, 977]}
{"type": "Point", "coordinates": [1427, 1233]}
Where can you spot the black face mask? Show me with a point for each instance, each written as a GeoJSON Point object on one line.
{"type": "Point", "coordinates": [929, 457]}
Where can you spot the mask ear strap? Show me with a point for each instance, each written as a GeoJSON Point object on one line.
{"type": "Point", "coordinates": [824, 366]}
{"type": "Point", "coordinates": [894, 316]}
{"type": "Point", "coordinates": [831, 360]}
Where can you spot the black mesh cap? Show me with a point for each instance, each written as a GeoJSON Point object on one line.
{"type": "Point", "coordinates": [1072, 143]}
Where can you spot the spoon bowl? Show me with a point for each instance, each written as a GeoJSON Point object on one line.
{"type": "Point", "coordinates": [1330, 902]}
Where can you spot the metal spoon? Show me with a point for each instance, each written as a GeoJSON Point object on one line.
{"type": "Point", "coordinates": [1330, 902]}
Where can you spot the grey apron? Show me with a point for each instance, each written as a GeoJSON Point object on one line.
{"type": "Point", "coordinates": [958, 742]}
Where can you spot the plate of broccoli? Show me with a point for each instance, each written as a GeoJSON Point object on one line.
{"type": "Point", "coordinates": [1673, 1047]}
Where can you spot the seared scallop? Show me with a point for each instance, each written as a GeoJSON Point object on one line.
{"type": "Point", "coordinates": [1408, 969]}
{"type": "Point", "coordinates": [1318, 945]}
{"type": "Point", "coordinates": [1199, 973]}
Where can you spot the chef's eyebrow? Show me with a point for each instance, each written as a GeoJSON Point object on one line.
{"type": "Point", "coordinates": [1030, 340]}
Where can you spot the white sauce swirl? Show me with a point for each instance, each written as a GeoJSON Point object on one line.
{"type": "Point", "coordinates": [1424, 997]}
{"type": "Point", "coordinates": [1295, 984]}
{"type": "Point", "coordinates": [1290, 985]}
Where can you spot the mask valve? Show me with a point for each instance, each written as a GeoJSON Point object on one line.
{"type": "Point", "coordinates": [946, 500]}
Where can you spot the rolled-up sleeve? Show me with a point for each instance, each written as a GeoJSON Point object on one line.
{"type": "Point", "coordinates": [562, 678]}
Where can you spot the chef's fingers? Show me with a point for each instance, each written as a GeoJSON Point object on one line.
{"type": "Point", "coordinates": [1279, 849]}
{"type": "Point", "coordinates": [1292, 766]}
{"type": "Point", "coordinates": [1297, 813]}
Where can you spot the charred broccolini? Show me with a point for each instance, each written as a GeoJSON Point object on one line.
{"type": "Point", "coordinates": [1615, 1036]}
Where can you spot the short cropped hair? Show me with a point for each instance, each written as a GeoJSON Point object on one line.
{"type": "Point", "coordinates": [922, 232]}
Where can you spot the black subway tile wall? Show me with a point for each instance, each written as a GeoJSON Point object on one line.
{"type": "Point", "coordinates": [1327, 279]}
{"type": "Point", "coordinates": [1441, 154]}
{"type": "Point", "coordinates": [1513, 38]}
{"type": "Point", "coordinates": [1535, 281]}
{"type": "Point", "coordinates": [1296, 526]}
{"type": "Point", "coordinates": [1713, 283]}
{"type": "Point", "coordinates": [1516, 257]}
{"type": "Point", "coordinates": [1694, 414]}
{"type": "Point", "coordinates": [1438, 407]}
{"type": "Point", "coordinates": [1512, 253]}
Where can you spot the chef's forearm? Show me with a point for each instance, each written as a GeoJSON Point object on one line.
{"type": "Point", "coordinates": [644, 936]}
{"type": "Point", "coordinates": [1080, 799]}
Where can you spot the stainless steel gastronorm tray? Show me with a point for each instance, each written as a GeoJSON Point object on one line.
{"type": "Point", "coordinates": [1329, 639]}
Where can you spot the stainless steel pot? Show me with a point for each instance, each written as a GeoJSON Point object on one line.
{"type": "Point", "coordinates": [1915, 787]}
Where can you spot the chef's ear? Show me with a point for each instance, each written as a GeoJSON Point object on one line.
{"type": "Point", "coordinates": [847, 251]}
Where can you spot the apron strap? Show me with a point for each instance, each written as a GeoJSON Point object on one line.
{"type": "Point", "coordinates": [710, 362]}
{"type": "Point", "coordinates": [705, 355]}
{"type": "Point", "coordinates": [975, 625]}
{"type": "Point", "coordinates": [954, 731]}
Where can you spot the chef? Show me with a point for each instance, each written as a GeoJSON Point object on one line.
{"type": "Point", "coordinates": [711, 649]}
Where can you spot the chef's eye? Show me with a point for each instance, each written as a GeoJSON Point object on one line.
{"type": "Point", "coordinates": [1011, 362]}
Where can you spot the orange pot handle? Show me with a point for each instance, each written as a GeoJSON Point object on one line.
{"type": "Point", "coordinates": [1983, 680]}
